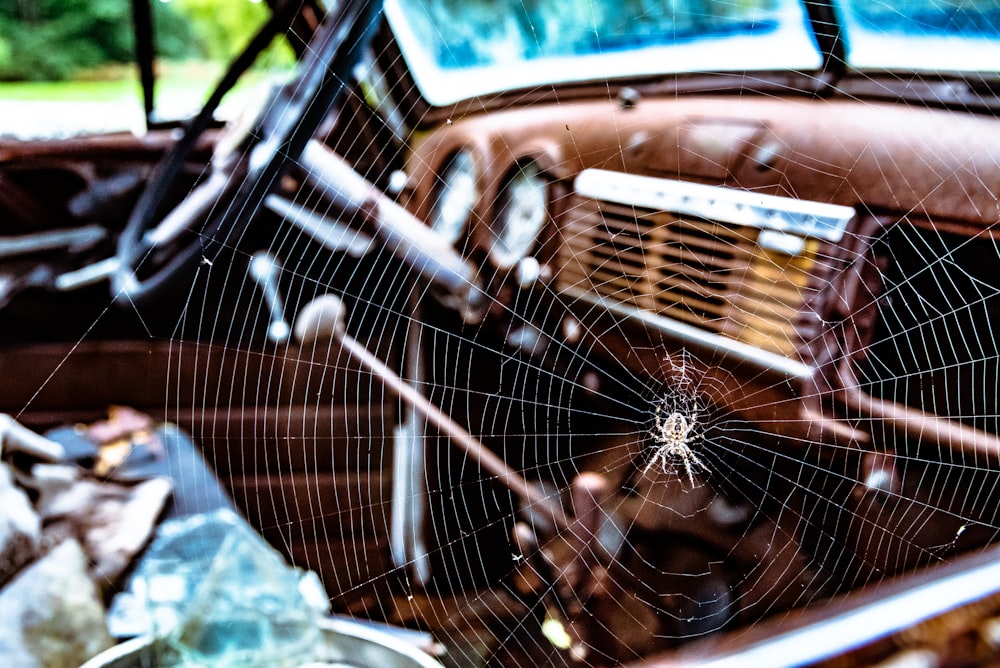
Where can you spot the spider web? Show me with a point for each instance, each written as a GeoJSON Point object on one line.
{"type": "Point", "coordinates": [658, 552]}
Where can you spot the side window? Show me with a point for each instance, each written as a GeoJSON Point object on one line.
{"type": "Point", "coordinates": [69, 67]}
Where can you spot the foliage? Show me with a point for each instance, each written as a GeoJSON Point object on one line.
{"type": "Point", "coordinates": [50, 40]}
{"type": "Point", "coordinates": [53, 39]}
{"type": "Point", "coordinates": [222, 27]}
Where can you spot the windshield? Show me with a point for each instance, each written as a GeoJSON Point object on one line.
{"type": "Point", "coordinates": [462, 48]}
{"type": "Point", "coordinates": [459, 49]}
{"type": "Point", "coordinates": [923, 35]}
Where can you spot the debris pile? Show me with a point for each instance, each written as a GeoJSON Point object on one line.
{"type": "Point", "coordinates": [66, 540]}
{"type": "Point", "coordinates": [120, 531]}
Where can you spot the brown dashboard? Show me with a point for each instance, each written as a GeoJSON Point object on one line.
{"type": "Point", "coordinates": [889, 158]}
{"type": "Point", "coordinates": [694, 222]}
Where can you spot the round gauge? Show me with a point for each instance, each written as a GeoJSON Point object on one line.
{"type": "Point", "coordinates": [456, 196]}
{"type": "Point", "coordinates": [522, 210]}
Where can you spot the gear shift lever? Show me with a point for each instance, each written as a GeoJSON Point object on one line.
{"type": "Point", "coordinates": [324, 318]}
{"type": "Point", "coordinates": [264, 269]}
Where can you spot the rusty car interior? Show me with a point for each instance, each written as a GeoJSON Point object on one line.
{"type": "Point", "coordinates": [659, 370]}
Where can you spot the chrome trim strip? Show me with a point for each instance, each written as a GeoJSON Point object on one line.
{"type": "Point", "coordinates": [743, 351]}
{"type": "Point", "coordinates": [740, 207]}
{"type": "Point", "coordinates": [838, 635]}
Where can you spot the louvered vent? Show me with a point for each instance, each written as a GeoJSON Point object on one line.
{"type": "Point", "coordinates": [741, 279]}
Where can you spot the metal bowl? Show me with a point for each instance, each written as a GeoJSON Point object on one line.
{"type": "Point", "coordinates": [348, 643]}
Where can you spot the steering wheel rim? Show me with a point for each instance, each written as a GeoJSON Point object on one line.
{"type": "Point", "coordinates": [150, 258]}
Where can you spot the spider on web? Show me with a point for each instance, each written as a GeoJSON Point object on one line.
{"type": "Point", "coordinates": [673, 434]}
{"type": "Point", "coordinates": [677, 424]}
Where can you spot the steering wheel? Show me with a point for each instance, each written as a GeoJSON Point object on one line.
{"type": "Point", "coordinates": [155, 250]}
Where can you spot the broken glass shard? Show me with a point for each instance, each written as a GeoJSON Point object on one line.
{"type": "Point", "coordinates": [219, 595]}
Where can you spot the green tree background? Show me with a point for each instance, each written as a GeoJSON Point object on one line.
{"type": "Point", "coordinates": [53, 40]}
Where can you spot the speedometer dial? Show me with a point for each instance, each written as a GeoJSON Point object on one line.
{"type": "Point", "coordinates": [521, 212]}
{"type": "Point", "coordinates": [456, 197]}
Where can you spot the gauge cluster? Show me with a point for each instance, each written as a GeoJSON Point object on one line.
{"type": "Point", "coordinates": [495, 216]}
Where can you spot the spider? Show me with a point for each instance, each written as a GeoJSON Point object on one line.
{"type": "Point", "coordinates": [673, 435]}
